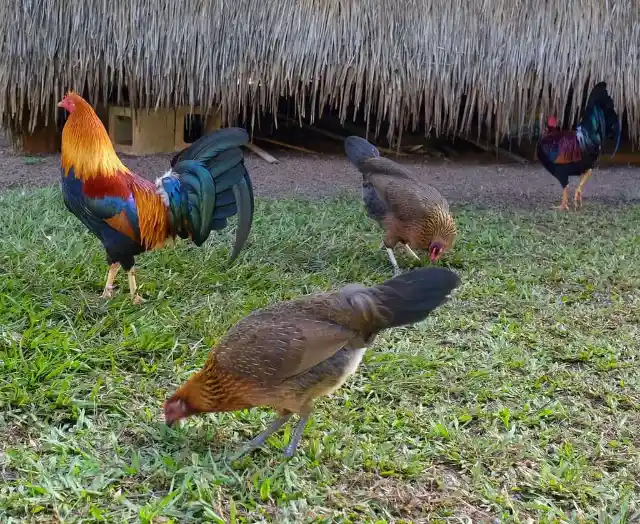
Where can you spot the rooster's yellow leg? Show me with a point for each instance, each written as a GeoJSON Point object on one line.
{"type": "Point", "coordinates": [564, 206]}
{"type": "Point", "coordinates": [111, 277]}
{"type": "Point", "coordinates": [577, 199]}
{"type": "Point", "coordinates": [133, 287]}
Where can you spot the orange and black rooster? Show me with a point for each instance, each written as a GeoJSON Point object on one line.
{"type": "Point", "coordinates": [206, 184]}
{"type": "Point", "coordinates": [574, 153]}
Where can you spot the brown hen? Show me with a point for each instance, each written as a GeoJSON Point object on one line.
{"type": "Point", "coordinates": [287, 354]}
{"type": "Point", "coordinates": [411, 212]}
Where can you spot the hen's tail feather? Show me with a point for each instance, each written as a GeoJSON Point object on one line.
{"type": "Point", "coordinates": [208, 183]}
{"type": "Point", "coordinates": [366, 157]}
{"type": "Point", "coordinates": [405, 299]}
{"type": "Point", "coordinates": [600, 119]}
{"type": "Point", "coordinates": [359, 150]}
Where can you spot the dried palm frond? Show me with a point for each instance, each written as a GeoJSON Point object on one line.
{"type": "Point", "coordinates": [512, 60]}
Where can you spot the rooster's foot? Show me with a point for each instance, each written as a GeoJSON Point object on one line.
{"type": "Point", "coordinates": [564, 206]}
{"type": "Point", "coordinates": [133, 288]}
{"type": "Point", "coordinates": [111, 277]}
{"type": "Point", "coordinates": [259, 440]}
{"type": "Point", "coordinates": [107, 293]}
{"type": "Point", "coordinates": [137, 299]}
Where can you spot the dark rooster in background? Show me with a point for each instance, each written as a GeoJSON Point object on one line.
{"type": "Point", "coordinates": [575, 153]}
{"type": "Point", "coordinates": [207, 184]}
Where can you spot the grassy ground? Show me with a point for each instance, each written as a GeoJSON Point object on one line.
{"type": "Point", "coordinates": [518, 400]}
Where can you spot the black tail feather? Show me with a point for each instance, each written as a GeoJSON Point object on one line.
{"type": "Point", "coordinates": [410, 297]}
{"type": "Point", "coordinates": [359, 150]}
{"type": "Point", "coordinates": [600, 119]}
{"type": "Point", "coordinates": [243, 192]}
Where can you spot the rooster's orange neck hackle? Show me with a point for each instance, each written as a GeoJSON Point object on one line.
{"type": "Point", "coordinates": [86, 145]}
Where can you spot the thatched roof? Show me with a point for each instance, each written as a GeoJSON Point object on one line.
{"type": "Point", "coordinates": [400, 61]}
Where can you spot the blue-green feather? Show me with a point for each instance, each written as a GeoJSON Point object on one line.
{"type": "Point", "coordinates": [200, 186]}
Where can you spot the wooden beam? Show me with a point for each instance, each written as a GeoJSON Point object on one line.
{"type": "Point", "coordinates": [512, 155]}
{"type": "Point", "coordinates": [288, 146]}
{"type": "Point", "coordinates": [262, 153]}
{"type": "Point", "coordinates": [497, 150]}
{"type": "Point", "coordinates": [341, 138]}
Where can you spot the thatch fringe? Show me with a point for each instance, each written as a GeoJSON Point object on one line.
{"type": "Point", "coordinates": [512, 60]}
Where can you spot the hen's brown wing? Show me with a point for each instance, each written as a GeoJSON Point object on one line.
{"type": "Point", "coordinates": [407, 198]}
{"type": "Point", "coordinates": [384, 166]}
{"type": "Point", "coordinates": [404, 193]}
{"type": "Point", "coordinates": [271, 347]}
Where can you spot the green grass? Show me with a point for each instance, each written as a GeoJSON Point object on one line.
{"type": "Point", "coordinates": [518, 401]}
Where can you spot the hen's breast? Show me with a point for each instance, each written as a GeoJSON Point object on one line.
{"type": "Point", "coordinates": [325, 377]}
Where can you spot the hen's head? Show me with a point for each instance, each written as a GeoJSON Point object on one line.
{"type": "Point", "coordinates": [189, 400]}
{"type": "Point", "coordinates": [206, 391]}
{"type": "Point", "coordinates": [436, 248]}
{"type": "Point", "coordinates": [176, 409]}
{"type": "Point", "coordinates": [443, 232]}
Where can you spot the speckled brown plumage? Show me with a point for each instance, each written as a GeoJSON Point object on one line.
{"type": "Point", "coordinates": [411, 212]}
{"type": "Point", "coordinates": [287, 354]}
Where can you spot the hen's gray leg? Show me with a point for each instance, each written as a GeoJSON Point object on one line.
{"type": "Point", "coordinates": [394, 262]}
{"type": "Point", "coordinates": [410, 251]}
{"type": "Point", "coordinates": [297, 434]}
{"type": "Point", "coordinates": [260, 439]}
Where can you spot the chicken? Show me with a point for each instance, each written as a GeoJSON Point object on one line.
{"type": "Point", "coordinates": [575, 153]}
{"type": "Point", "coordinates": [206, 184]}
{"type": "Point", "coordinates": [286, 355]}
{"type": "Point", "coordinates": [411, 212]}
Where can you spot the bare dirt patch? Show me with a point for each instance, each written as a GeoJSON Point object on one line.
{"type": "Point", "coordinates": [319, 176]}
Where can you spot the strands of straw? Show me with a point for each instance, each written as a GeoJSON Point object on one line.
{"type": "Point", "coordinates": [513, 60]}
